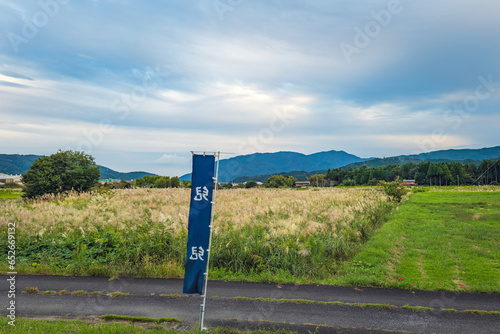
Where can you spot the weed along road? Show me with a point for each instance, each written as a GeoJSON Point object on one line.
{"type": "Point", "coordinates": [299, 307]}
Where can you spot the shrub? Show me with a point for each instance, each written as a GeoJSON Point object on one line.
{"type": "Point", "coordinates": [395, 189]}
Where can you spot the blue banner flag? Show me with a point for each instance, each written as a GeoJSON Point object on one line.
{"type": "Point", "coordinates": [200, 213]}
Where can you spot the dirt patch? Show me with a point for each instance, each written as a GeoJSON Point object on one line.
{"type": "Point", "coordinates": [478, 216]}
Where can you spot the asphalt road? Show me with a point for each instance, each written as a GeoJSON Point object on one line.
{"type": "Point", "coordinates": [222, 310]}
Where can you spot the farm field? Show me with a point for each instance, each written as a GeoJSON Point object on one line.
{"type": "Point", "coordinates": [445, 239]}
{"type": "Point", "coordinates": [281, 235]}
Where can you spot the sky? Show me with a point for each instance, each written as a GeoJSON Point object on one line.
{"type": "Point", "coordinates": [140, 84]}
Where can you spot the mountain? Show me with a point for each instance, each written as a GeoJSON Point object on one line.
{"type": "Point", "coordinates": [474, 156]}
{"type": "Point", "coordinates": [107, 173]}
{"type": "Point", "coordinates": [462, 154]}
{"type": "Point", "coordinates": [15, 164]}
{"type": "Point", "coordinates": [377, 162]}
{"type": "Point", "coordinates": [19, 164]}
{"type": "Point", "coordinates": [274, 163]}
{"type": "Point", "coordinates": [303, 166]}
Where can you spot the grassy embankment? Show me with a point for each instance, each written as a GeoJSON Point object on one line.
{"type": "Point", "coordinates": [444, 239]}
{"type": "Point", "coordinates": [282, 235]}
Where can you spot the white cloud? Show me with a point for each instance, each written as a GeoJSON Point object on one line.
{"type": "Point", "coordinates": [227, 79]}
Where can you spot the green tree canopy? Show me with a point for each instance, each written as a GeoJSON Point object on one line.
{"type": "Point", "coordinates": [251, 184]}
{"type": "Point", "coordinates": [279, 181]}
{"type": "Point", "coordinates": [175, 182]}
{"type": "Point", "coordinates": [59, 172]}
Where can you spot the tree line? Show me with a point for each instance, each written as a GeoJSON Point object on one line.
{"type": "Point", "coordinates": [424, 173]}
{"type": "Point", "coordinates": [158, 181]}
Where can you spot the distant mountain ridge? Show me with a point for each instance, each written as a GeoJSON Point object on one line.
{"type": "Point", "coordinates": [274, 163]}
{"type": "Point", "coordinates": [460, 154]}
{"type": "Point", "coordinates": [15, 164]}
{"type": "Point", "coordinates": [19, 164]}
{"type": "Point", "coordinates": [306, 170]}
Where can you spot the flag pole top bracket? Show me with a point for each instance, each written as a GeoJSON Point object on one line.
{"type": "Point", "coordinates": [215, 153]}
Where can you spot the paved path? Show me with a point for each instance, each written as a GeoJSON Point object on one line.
{"type": "Point", "coordinates": [146, 301]}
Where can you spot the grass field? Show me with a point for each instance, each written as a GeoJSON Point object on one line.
{"type": "Point", "coordinates": [35, 326]}
{"type": "Point", "coordinates": [445, 239]}
{"type": "Point", "coordinates": [259, 234]}
{"type": "Point", "coordinates": [442, 238]}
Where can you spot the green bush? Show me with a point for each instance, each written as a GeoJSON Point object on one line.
{"type": "Point", "coordinates": [395, 189]}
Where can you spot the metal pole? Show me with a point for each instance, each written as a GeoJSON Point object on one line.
{"type": "Point", "coordinates": [216, 179]}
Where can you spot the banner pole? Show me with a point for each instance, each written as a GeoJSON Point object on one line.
{"type": "Point", "coordinates": [216, 179]}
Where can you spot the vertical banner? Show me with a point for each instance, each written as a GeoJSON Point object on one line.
{"type": "Point", "coordinates": [200, 211]}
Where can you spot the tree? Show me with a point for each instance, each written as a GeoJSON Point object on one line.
{"type": "Point", "coordinates": [251, 184]}
{"type": "Point", "coordinates": [317, 180]}
{"type": "Point", "coordinates": [160, 182]}
{"type": "Point", "coordinates": [447, 177]}
{"type": "Point", "coordinates": [124, 185]}
{"type": "Point", "coordinates": [279, 181]}
{"type": "Point", "coordinates": [175, 182]}
{"type": "Point", "coordinates": [59, 172]}
{"type": "Point", "coordinates": [348, 182]}
{"type": "Point", "coordinates": [226, 186]}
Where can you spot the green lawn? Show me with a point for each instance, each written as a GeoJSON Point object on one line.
{"type": "Point", "coordinates": [438, 240]}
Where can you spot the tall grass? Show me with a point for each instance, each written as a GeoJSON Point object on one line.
{"type": "Point", "coordinates": [142, 232]}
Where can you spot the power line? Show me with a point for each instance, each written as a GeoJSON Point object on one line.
{"type": "Point", "coordinates": [493, 164]}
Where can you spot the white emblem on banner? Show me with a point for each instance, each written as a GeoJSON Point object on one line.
{"type": "Point", "coordinates": [201, 196]}
{"type": "Point", "coordinates": [197, 253]}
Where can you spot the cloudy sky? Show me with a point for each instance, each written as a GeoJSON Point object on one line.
{"type": "Point", "coordinates": [138, 84]}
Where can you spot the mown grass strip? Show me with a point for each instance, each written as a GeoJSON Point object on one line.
{"type": "Point", "coordinates": [138, 319]}
{"type": "Point", "coordinates": [444, 239]}
{"type": "Point", "coordinates": [96, 293]}
{"type": "Point", "coordinates": [482, 312]}
{"type": "Point", "coordinates": [31, 290]}
{"type": "Point", "coordinates": [117, 294]}
{"type": "Point", "coordinates": [417, 308]}
{"type": "Point", "coordinates": [373, 305]}
{"type": "Point", "coordinates": [173, 295]}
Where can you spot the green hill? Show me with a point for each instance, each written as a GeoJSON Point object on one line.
{"type": "Point", "coordinates": [19, 164]}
